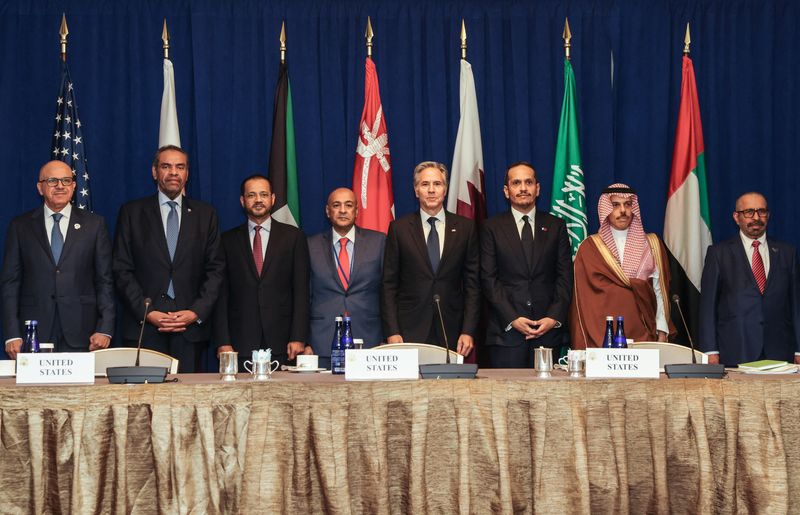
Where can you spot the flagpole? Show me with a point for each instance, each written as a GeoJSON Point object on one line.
{"type": "Point", "coordinates": [165, 40]}
{"type": "Point", "coordinates": [282, 40]}
{"type": "Point", "coordinates": [566, 36]}
{"type": "Point", "coordinates": [369, 35]}
{"type": "Point", "coordinates": [463, 40]}
{"type": "Point", "coordinates": [687, 40]}
{"type": "Point", "coordinates": [63, 32]}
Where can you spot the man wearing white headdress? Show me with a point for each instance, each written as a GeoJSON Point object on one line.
{"type": "Point", "coordinates": [620, 271]}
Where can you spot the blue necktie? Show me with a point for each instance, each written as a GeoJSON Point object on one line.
{"type": "Point", "coordinates": [172, 238]}
{"type": "Point", "coordinates": [56, 238]}
{"type": "Point", "coordinates": [433, 244]}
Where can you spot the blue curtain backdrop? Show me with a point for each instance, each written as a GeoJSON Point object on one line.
{"type": "Point", "coordinates": [626, 56]}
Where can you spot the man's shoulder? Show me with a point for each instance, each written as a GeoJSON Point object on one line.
{"type": "Point", "coordinates": [545, 218]}
{"type": "Point", "coordinates": [285, 229]}
{"type": "Point", "coordinates": [27, 216]}
{"type": "Point", "coordinates": [139, 203]}
{"type": "Point", "coordinates": [497, 220]}
{"type": "Point", "coordinates": [232, 232]}
{"type": "Point", "coordinates": [782, 245]}
{"type": "Point", "coordinates": [192, 204]}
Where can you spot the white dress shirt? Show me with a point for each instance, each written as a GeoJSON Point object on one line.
{"type": "Point", "coordinates": [521, 223]}
{"type": "Point", "coordinates": [762, 249]}
{"type": "Point", "coordinates": [426, 227]}
{"type": "Point", "coordinates": [63, 225]}
{"type": "Point", "coordinates": [266, 227]}
{"type": "Point", "coordinates": [337, 246]}
{"type": "Point", "coordinates": [162, 202]}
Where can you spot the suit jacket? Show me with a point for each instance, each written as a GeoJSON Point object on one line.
{"type": "Point", "coordinates": [274, 304]}
{"type": "Point", "coordinates": [514, 288]}
{"type": "Point", "coordinates": [142, 266]}
{"type": "Point", "coordinates": [362, 299]}
{"type": "Point", "coordinates": [735, 319]}
{"type": "Point", "coordinates": [409, 282]}
{"type": "Point", "coordinates": [80, 285]}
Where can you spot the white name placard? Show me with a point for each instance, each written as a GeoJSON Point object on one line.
{"type": "Point", "coordinates": [55, 368]}
{"type": "Point", "coordinates": [636, 363]}
{"type": "Point", "coordinates": [381, 365]}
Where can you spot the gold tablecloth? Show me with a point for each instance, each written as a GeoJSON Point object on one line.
{"type": "Point", "coordinates": [504, 443]}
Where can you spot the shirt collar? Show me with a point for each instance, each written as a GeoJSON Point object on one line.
{"type": "Point", "coordinates": [748, 242]}
{"type": "Point", "coordinates": [266, 224]}
{"type": "Point", "coordinates": [163, 199]}
{"type": "Point", "coordinates": [439, 216]}
{"type": "Point", "coordinates": [67, 211]}
{"type": "Point", "coordinates": [351, 234]}
{"type": "Point", "coordinates": [519, 214]}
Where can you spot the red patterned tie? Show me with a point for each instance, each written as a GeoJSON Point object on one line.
{"type": "Point", "coordinates": [758, 268]}
{"type": "Point", "coordinates": [258, 252]}
{"type": "Point", "coordinates": [344, 263]}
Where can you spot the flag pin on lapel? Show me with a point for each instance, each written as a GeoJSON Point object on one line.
{"type": "Point", "coordinates": [452, 230]}
{"type": "Point", "coordinates": [544, 229]}
{"type": "Point", "coordinates": [76, 226]}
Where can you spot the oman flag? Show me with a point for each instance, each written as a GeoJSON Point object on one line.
{"type": "Point", "coordinates": [687, 223]}
{"type": "Point", "coordinates": [372, 173]}
{"type": "Point", "coordinates": [467, 193]}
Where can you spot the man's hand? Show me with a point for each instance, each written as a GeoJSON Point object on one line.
{"type": "Point", "coordinates": [224, 348]}
{"type": "Point", "coordinates": [395, 338]}
{"type": "Point", "coordinates": [172, 321]}
{"type": "Point", "coordinates": [465, 344]}
{"type": "Point", "coordinates": [713, 359]}
{"type": "Point", "coordinates": [662, 336]}
{"type": "Point", "coordinates": [545, 324]}
{"type": "Point", "coordinates": [797, 359]}
{"type": "Point", "coordinates": [525, 326]}
{"type": "Point", "coordinates": [99, 341]}
{"type": "Point", "coordinates": [295, 348]}
{"type": "Point", "coordinates": [13, 347]}
{"type": "Point", "coordinates": [308, 350]}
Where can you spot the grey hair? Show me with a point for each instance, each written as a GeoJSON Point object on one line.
{"type": "Point", "coordinates": [430, 164]}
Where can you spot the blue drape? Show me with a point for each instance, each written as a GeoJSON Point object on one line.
{"type": "Point", "coordinates": [626, 56]}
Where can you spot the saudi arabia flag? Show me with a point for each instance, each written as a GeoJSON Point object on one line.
{"type": "Point", "coordinates": [569, 194]}
{"type": "Point", "coordinates": [282, 158]}
{"type": "Point", "coordinates": [687, 223]}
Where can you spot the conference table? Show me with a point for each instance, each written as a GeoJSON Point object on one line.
{"type": "Point", "coordinates": [506, 442]}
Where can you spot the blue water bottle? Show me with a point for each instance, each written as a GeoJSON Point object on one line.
{"type": "Point", "coordinates": [26, 342]}
{"type": "Point", "coordinates": [608, 338]}
{"type": "Point", "coordinates": [347, 333]}
{"type": "Point", "coordinates": [620, 342]}
{"type": "Point", "coordinates": [337, 348]}
{"type": "Point", "coordinates": [34, 337]}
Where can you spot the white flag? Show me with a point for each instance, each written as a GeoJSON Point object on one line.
{"type": "Point", "coordinates": [466, 196]}
{"type": "Point", "coordinates": [168, 132]}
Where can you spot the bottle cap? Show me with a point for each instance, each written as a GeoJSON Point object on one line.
{"type": "Point", "coordinates": [347, 318]}
{"type": "Point", "coordinates": [338, 319]}
{"type": "Point", "coordinates": [609, 318]}
{"type": "Point", "coordinates": [34, 322]}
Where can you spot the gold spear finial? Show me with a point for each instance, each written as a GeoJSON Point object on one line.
{"type": "Point", "coordinates": [282, 39]}
{"type": "Point", "coordinates": [369, 34]}
{"type": "Point", "coordinates": [165, 39]}
{"type": "Point", "coordinates": [566, 36]}
{"type": "Point", "coordinates": [687, 40]}
{"type": "Point", "coordinates": [463, 40]}
{"type": "Point", "coordinates": [63, 31]}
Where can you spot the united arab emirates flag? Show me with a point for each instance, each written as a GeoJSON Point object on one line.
{"type": "Point", "coordinates": [282, 158]}
{"type": "Point", "coordinates": [687, 223]}
{"type": "Point", "coordinates": [569, 194]}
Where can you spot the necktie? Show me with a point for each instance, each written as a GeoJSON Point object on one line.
{"type": "Point", "coordinates": [758, 268]}
{"type": "Point", "coordinates": [172, 238]}
{"type": "Point", "coordinates": [344, 263]}
{"type": "Point", "coordinates": [527, 240]}
{"type": "Point", "coordinates": [433, 244]}
{"type": "Point", "coordinates": [56, 238]}
{"type": "Point", "coordinates": [258, 250]}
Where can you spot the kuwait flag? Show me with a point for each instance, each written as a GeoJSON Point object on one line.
{"type": "Point", "coordinates": [687, 224]}
{"type": "Point", "coordinates": [282, 158]}
{"type": "Point", "coordinates": [372, 173]}
{"type": "Point", "coordinates": [466, 196]}
{"type": "Point", "coordinates": [569, 193]}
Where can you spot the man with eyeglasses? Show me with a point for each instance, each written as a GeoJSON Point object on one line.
{"type": "Point", "coordinates": [167, 249]}
{"type": "Point", "coordinates": [749, 300]}
{"type": "Point", "coordinates": [57, 270]}
{"type": "Point", "coordinates": [264, 299]}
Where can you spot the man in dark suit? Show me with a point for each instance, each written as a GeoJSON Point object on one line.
{"type": "Point", "coordinates": [166, 248]}
{"type": "Point", "coordinates": [264, 301]}
{"type": "Point", "coordinates": [431, 252]}
{"type": "Point", "coordinates": [57, 270]}
{"type": "Point", "coordinates": [526, 272]}
{"type": "Point", "coordinates": [749, 300]}
{"type": "Point", "coordinates": [346, 266]}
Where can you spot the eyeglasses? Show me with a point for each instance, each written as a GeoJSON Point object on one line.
{"type": "Point", "coordinates": [750, 213]}
{"type": "Point", "coordinates": [53, 181]}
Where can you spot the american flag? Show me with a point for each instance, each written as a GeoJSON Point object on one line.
{"type": "Point", "coordinates": [68, 143]}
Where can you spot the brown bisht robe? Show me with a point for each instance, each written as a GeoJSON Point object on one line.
{"type": "Point", "coordinates": [602, 289]}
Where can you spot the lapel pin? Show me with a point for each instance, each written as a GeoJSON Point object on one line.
{"type": "Point", "coordinates": [188, 210]}
{"type": "Point", "coordinates": [76, 226]}
{"type": "Point", "coordinates": [774, 249]}
{"type": "Point", "coordinates": [544, 229]}
{"type": "Point", "coordinates": [452, 230]}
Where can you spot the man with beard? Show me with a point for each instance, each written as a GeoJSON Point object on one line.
{"type": "Point", "coordinates": [431, 253]}
{"type": "Point", "coordinates": [166, 248]}
{"type": "Point", "coordinates": [621, 271]}
{"type": "Point", "coordinates": [526, 271]}
{"type": "Point", "coordinates": [264, 299]}
{"type": "Point", "coordinates": [748, 305]}
{"type": "Point", "coordinates": [346, 265]}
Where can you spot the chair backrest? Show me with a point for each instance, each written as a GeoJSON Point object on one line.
{"type": "Point", "coordinates": [428, 354]}
{"type": "Point", "coordinates": [670, 353]}
{"type": "Point", "coordinates": [126, 356]}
